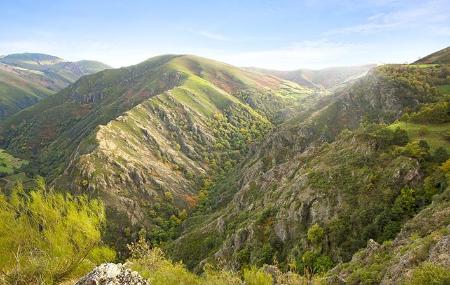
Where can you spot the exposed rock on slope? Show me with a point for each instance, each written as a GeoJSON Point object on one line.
{"type": "Point", "coordinates": [423, 240]}
{"type": "Point", "coordinates": [112, 274]}
{"type": "Point", "coordinates": [147, 137]}
{"type": "Point", "coordinates": [292, 181]}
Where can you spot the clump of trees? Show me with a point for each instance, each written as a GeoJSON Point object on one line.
{"type": "Point", "coordinates": [47, 237]}
{"type": "Point", "coordinates": [435, 113]}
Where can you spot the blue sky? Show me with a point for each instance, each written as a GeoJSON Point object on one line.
{"type": "Point", "coordinates": [283, 34]}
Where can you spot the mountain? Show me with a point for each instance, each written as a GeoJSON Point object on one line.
{"type": "Point", "coordinates": [147, 137]}
{"type": "Point", "coordinates": [17, 92]}
{"type": "Point", "coordinates": [328, 78]}
{"type": "Point", "coordinates": [323, 183]}
{"type": "Point", "coordinates": [236, 167]}
{"type": "Point", "coordinates": [29, 77]}
{"type": "Point", "coordinates": [440, 57]}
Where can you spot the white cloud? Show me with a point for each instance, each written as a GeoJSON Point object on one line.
{"type": "Point", "coordinates": [427, 15]}
{"type": "Point", "coordinates": [311, 54]}
{"type": "Point", "coordinates": [213, 36]}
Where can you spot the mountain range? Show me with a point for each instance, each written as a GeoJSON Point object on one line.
{"type": "Point", "coordinates": [341, 172]}
{"type": "Point", "coordinates": [27, 78]}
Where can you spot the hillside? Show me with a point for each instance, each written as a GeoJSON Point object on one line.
{"type": "Point", "coordinates": [236, 168]}
{"type": "Point", "coordinates": [418, 254]}
{"type": "Point", "coordinates": [17, 93]}
{"type": "Point", "coordinates": [147, 137]}
{"type": "Point", "coordinates": [323, 172]}
{"type": "Point", "coordinates": [328, 78]}
{"type": "Point", "coordinates": [27, 78]}
{"type": "Point", "coordinates": [440, 57]}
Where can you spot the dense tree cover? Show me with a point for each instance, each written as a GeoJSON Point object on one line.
{"type": "Point", "coordinates": [47, 237]}
{"type": "Point", "coordinates": [434, 113]}
{"type": "Point", "coordinates": [423, 80]}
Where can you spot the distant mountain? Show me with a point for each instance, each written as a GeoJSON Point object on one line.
{"type": "Point", "coordinates": [439, 57]}
{"type": "Point", "coordinates": [328, 78]}
{"type": "Point", "coordinates": [28, 77]}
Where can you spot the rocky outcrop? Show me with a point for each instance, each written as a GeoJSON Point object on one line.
{"type": "Point", "coordinates": [112, 274]}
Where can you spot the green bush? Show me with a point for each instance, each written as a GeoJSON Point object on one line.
{"type": "Point", "coordinates": [255, 276]}
{"type": "Point", "coordinates": [430, 274]}
{"type": "Point", "coordinates": [47, 237]}
{"type": "Point", "coordinates": [315, 234]}
{"type": "Point", "coordinates": [437, 113]}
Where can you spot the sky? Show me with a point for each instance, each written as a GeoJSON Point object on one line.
{"type": "Point", "coordinates": [275, 34]}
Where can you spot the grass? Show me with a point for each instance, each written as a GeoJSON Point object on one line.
{"type": "Point", "coordinates": [423, 65]}
{"type": "Point", "coordinates": [8, 163]}
{"type": "Point", "coordinates": [444, 89]}
{"type": "Point", "coordinates": [434, 134]}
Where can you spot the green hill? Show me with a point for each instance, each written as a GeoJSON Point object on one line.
{"type": "Point", "coordinates": [235, 167]}
{"type": "Point", "coordinates": [440, 57]}
{"type": "Point", "coordinates": [17, 93]}
{"type": "Point", "coordinates": [27, 78]}
{"type": "Point", "coordinates": [340, 166]}
{"type": "Point", "coordinates": [147, 137]}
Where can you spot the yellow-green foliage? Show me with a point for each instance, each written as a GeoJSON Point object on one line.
{"type": "Point", "coordinates": [154, 266]}
{"type": "Point", "coordinates": [255, 276]}
{"type": "Point", "coordinates": [430, 274]}
{"type": "Point", "coordinates": [315, 234]}
{"type": "Point", "coordinates": [47, 237]}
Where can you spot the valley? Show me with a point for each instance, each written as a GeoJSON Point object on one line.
{"type": "Point", "coordinates": [333, 176]}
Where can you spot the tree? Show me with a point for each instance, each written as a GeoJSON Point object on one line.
{"type": "Point", "coordinates": [315, 234]}
{"type": "Point", "coordinates": [47, 237]}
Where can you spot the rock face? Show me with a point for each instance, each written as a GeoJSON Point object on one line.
{"type": "Point", "coordinates": [112, 274]}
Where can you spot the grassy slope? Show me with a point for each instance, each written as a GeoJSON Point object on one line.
{"type": "Point", "coordinates": [27, 78]}
{"type": "Point", "coordinates": [190, 132]}
{"type": "Point", "coordinates": [17, 93]}
{"type": "Point", "coordinates": [434, 134]}
{"type": "Point", "coordinates": [120, 135]}
{"type": "Point", "coordinates": [9, 164]}
{"type": "Point", "coordinates": [439, 57]}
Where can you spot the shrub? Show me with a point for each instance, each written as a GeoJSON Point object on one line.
{"type": "Point", "coordinates": [418, 149]}
{"type": "Point", "coordinates": [47, 237]}
{"type": "Point", "coordinates": [254, 276]}
{"type": "Point", "coordinates": [432, 113]}
{"type": "Point", "coordinates": [440, 155]}
{"type": "Point", "coordinates": [430, 274]}
{"type": "Point", "coordinates": [315, 234]}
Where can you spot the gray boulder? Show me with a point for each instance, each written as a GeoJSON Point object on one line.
{"type": "Point", "coordinates": [112, 274]}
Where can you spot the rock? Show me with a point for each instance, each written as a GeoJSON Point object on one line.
{"type": "Point", "coordinates": [439, 253]}
{"type": "Point", "coordinates": [112, 274]}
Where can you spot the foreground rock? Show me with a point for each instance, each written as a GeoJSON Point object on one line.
{"type": "Point", "coordinates": [112, 274]}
